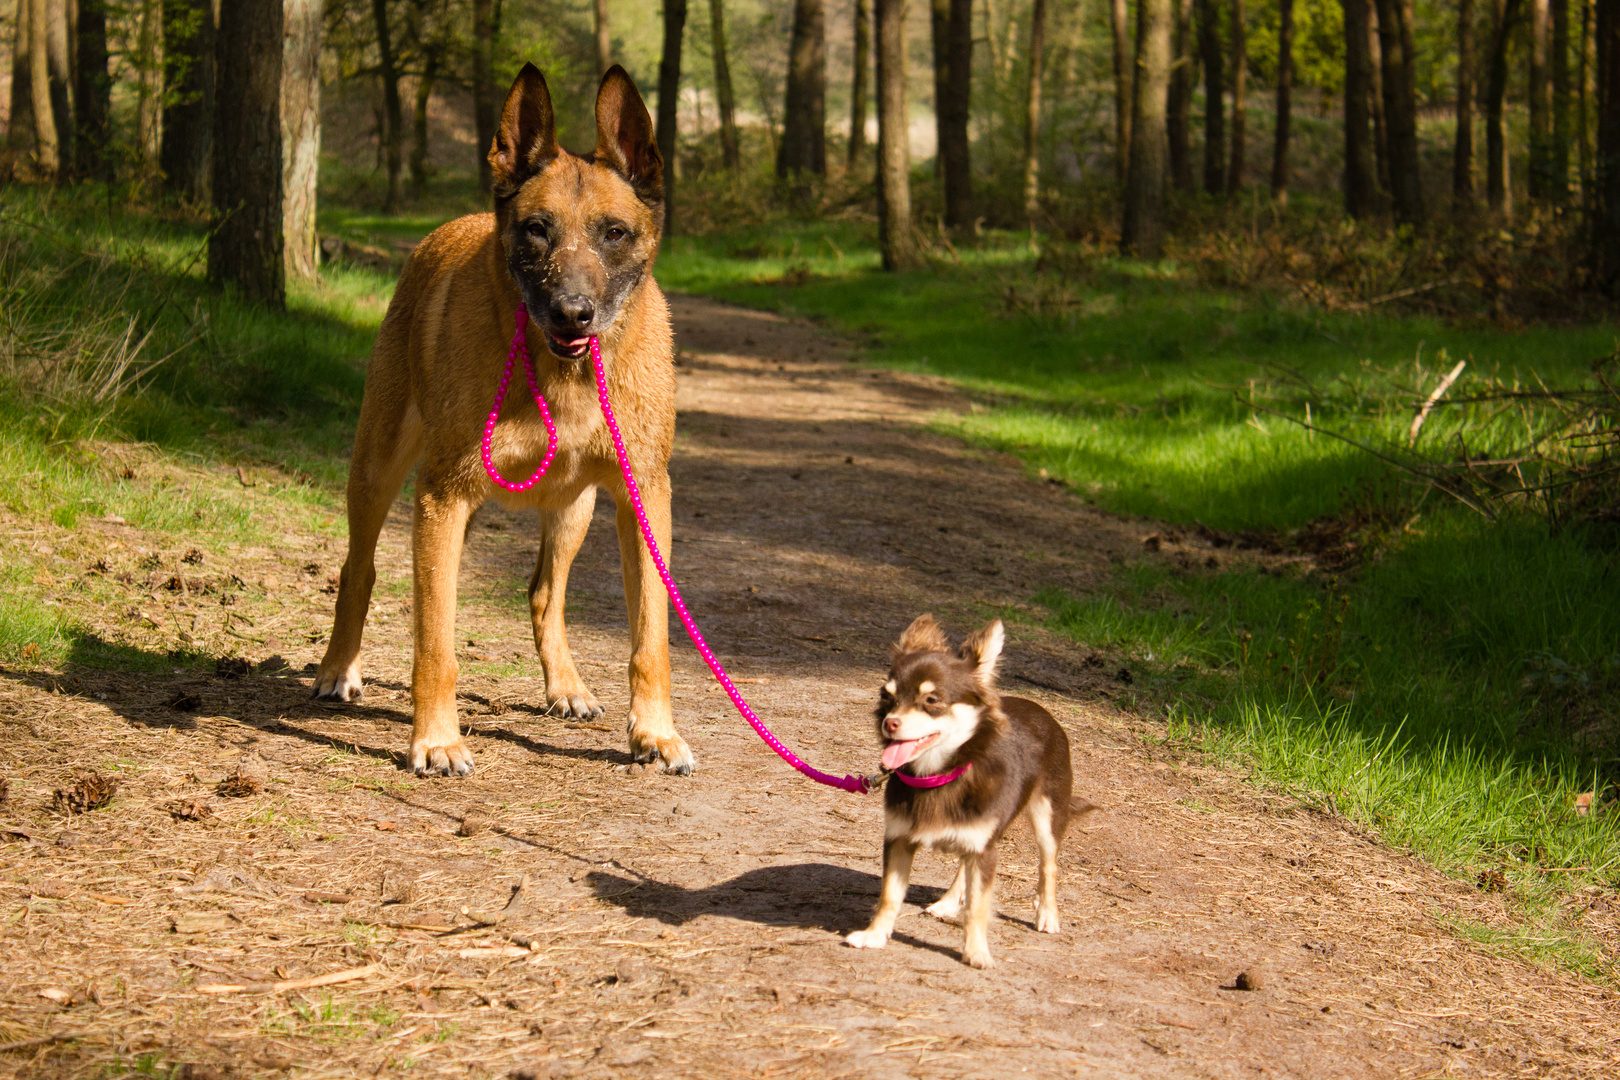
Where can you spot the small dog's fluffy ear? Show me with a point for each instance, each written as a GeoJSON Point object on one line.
{"type": "Point", "coordinates": [923, 635]}
{"type": "Point", "coordinates": [982, 650]}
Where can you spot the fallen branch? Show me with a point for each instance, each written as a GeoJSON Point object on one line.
{"type": "Point", "coordinates": [42, 1040]}
{"type": "Point", "coordinates": [1357, 305]}
{"type": "Point", "coordinates": [1428, 404]}
{"type": "Point", "coordinates": [282, 987]}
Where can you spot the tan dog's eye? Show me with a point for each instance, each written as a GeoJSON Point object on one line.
{"type": "Point", "coordinates": [614, 234]}
{"type": "Point", "coordinates": [536, 230]}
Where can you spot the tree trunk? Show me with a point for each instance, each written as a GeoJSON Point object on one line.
{"type": "Point", "coordinates": [1380, 127]}
{"type": "Point", "coordinates": [1498, 186]}
{"type": "Point", "coordinates": [895, 235]}
{"type": "Point", "coordinates": [1558, 154]}
{"type": "Point", "coordinates": [1032, 111]}
{"type": "Point", "coordinates": [953, 77]}
{"type": "Point", "coordinates": [1240, 77]}
{"type": "Point", "coordinates": [483, 86]}
{"type": "Point", "coordinates": [730, 151]}
{"type": "Point", "coordinates": [93, 90]}
{"type": "Point", "coordinates": [1143, 232]}
{"type": "Point", "coordinates": [186, 156]}
{"type": "Point", "coordinates": [1124, 77]}
{"type": "Point", "coordinates": [20, 130]}
{"type": "Point", "coordinates": [245, 248]}
{"type": "Point", "coordinates": [1400, 113]}
{"type": "Point", "coordinates": [47, 148]}
{"type": "Point", "coordinates": [301, 135]}
{"type": "Point", "coordinates": [1583, 120]}
{"type": "Point", "coordinates": [148, 62]}
{"type": "Point", "coordinates": [1539, 96]}
{"type": "Point", "coordinates": [393, 116]}
{"type": "Point", "coordinates": [1606, 187]}
{"type": "Point", "coordinates": [669, 96]}
{"type": "Point", "coordinates": [1209, 44]}
{"type": "Point", "coordinates": [419, 118]}
{"type": "Point", "coordinates": [803, 150]}
{"type": "Point", "coordinates": [1180, 104]}
{"type": "Point", "coordinates": [1360, 179]}
{"type": "Point", "coordinates": [858, 87]}
{"type": "Point", "coordinates": [1285, 96]}
{"type": "Point", "coordinates": [1462, 157]}
{"type": "Point", "coordinates": [59, 53]}
{"type": "Point", "coordinates": [604, 42]}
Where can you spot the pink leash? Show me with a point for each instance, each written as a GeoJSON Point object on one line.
{"type": "Point", "coordinates": [854, 784]}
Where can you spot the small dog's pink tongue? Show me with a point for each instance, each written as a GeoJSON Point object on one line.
{"type": "Point", "coordinates": [896, 754]}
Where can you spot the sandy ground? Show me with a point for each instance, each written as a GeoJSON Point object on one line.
{"type": "Point", "coordinates": [563, 913]}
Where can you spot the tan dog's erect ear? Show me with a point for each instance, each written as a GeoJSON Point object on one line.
{"type": "Point", "coordinates": [526, 141]}
{"type": "Point", "coordinates": [982, 650]}
{"type": "Point", "coordinates": [624, 136]}
{"type": "Point", "coordinates": [923, 635]}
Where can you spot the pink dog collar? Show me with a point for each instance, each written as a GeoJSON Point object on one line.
{"type": "Point", "coordinates": [937, 780]}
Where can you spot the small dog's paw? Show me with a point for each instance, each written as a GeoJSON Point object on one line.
{"type": "Point", "coordinates": [1047, 922]}
{"type": "Point", "coordinates": [867, 939]}
{"type": "Point", "coordinates": [978, 957]}
{"type": "Point", "coordinates": [947, 909]}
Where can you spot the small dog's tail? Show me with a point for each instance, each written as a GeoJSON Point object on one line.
{"type": "Point", "coordinates": [1079, 807]}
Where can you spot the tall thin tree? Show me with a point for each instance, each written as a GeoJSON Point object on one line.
{"type": "Point", "coordinates": [1240, 77]}
{"type": "Point", "coordinates": [895, 235]}
{"type": "Point", "coordinates": [47, 147]}
{"type": "Point", "coordinates": [1400, 112]}
{"type": "Point", "coordinates": [858, 90]}
{"type": "Point", "coordinates": [803, 149]}
{"type": "Point", "coordinates": [1032, 111]}
{"type": "Point", "coordinates": [59, 60]}
{"type": "Point", "coordinates": [245, 247]}
{"type": "Point", "coordinates": [1462, 155]}
{"type": "Point", "coordinates": [1142, 233]}
{"type": "Point", "coordinates": [300, 135]}
{"type": "Point", "coordinates": [669, 96]}
{"type": "Point", "coordinates": [1583, 119]}
{"type": "Point", "coordinates": [1380, 126]}
{"type": "Point", "coordinates": [1214, 56]}
{"type": "Point", "coordinates": [92, 90]}
{"type": "Point", "coordinates": [1360, 175]}
{"type": "Point", "coordinates": [393, 134]}
{"type": "Point", "coordinates": [485, 30]}
{"type": "Point", "coordinates": [604, 39]}
{"type": "Point", "coordinates": [952, 23]}
{"type": "Point", "coordinates": [1285, 99]}
{"type": "Point", "coordinates": [186, 154]}
{"type": "Point", "coordinates": [20, 123]}
{"type": "Point", "coordinates": [1179, 107]}
{"type": "Point", "coordinates": [1605, 214]}
{"type": "Point", "coordinates": [1558, 157]}
{"type": "Point", "coordinates": [1539, 97]}
{"type": "Point", "coordinates": [1498, 185]}
{"type": "Point", "coordinates": [726, 99]}
{"type": "Point", "coordinates": [1124, 77]}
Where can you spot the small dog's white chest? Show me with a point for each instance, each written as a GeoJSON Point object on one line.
{"type": "Point", "coordinates": [962, 838]}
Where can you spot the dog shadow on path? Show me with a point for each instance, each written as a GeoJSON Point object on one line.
{"type": "Point", "coordinates": [809, 896]}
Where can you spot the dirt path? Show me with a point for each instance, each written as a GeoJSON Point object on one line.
{"type": "Point", "coordinates": [691, 927]}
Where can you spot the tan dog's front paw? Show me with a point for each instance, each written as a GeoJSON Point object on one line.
{"type": "Point", "coordinates": [448, 759]}
{"type": "Point", "coordinates": [576, 706]}
{"type": "Point", "coordinates": [1047, 922]}
{"type": "Point", "coordinates": [671, 749]}
{"type": "Point", "coordinates": [342, 685]}
{"type": "Point", "coordinates": [867, 939]}
{"type": "Point", "coordinates": [978, 956]}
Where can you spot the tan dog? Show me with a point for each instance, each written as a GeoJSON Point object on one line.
{"type": "Point", "coordinates": [574, 238]}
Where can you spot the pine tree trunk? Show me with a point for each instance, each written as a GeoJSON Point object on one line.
{"type": "Point", "coordinates": [669, 96]}
{"type": "Point", "coordinates": [245, 250]}
{"type": "Point", "coordinates": [393, 114]}
{"type": "Point", "coordinates": [803, 150]}
{"type": "Point", "coordinates": [1032, 111]}
{"type": "Point", "coordinates": [1462, 157]}
{"type": "Point", "coordinates": [148, 62]}
{"type": "Point", "coordinates": [421, 99]}
{"type": "Point", "coordinates": [92, 91]}
{"type": "Point", "coordinates": [1583, 118]}
{"type": "Point", "coordinates": [1142, 234]}
{"type": "Point", "coordinates": [1380, 128]}
{"type": "Point", "coordinates": [59, 53]}
{"type": "Point", "coordinates": [730, 151]}
{"type": "Point", "coordinates": [604, 40]}
{"type": "Point", "coordinates": [1539, 95]}
{"type": "Point", "coordinates": [1240, 78]}
{"type": "Point", "coordinates": [301, 135]}
{"type": "Point", "coordinates": [483, 86]}
{"type": "Point", "coordinates": [1180, 104]}
{"type": "Point", "coordinates": [188, 120]}
{"type": "Point", "coordinates": [1360, 177]}
{"type": "Point", "coordinates": [1124, 77]}
{"type": "Point", "coordinates": [1400, 113]}
{"type": "Point", "coordinates": [47, 148]}
{"type": "Point", "coordinates": [20, 132]}
{"type": "Point", "coordinates": [858, 87]}
{"type": "Point", "coordinates": [1285, 96]}
{"type": "Point", "coordinates": [1498, 186]}
{"type": "Point", "coordinates": [895, 236]}
{"type": "Point", "coordinates": [1606, 185]}
{"type": "Point", "coordinates": [953, 69]}
{"type": "Point", "coordinates": [1209, 44]}
{"type": "Point", "coordinates": [1558, 154]}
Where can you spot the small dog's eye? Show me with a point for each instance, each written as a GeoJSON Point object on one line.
{"type": "Point", "coordinates": [536, 230]}
{"type": "Point", "coordinates": [614, 234]}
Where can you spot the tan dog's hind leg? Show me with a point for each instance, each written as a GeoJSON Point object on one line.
{"type": "Point", "coordinates": [441, 524]}
{"type": "Point", "coordinates": [386, 444]}
{"type": "Point", "coordinates": [980, 871]}
{"type": "Point", "coordinates": [652, 717]}
{"type": "Point", "coordinates": [897, 858]}
{"type": "Point", "coordinates": [949, 906]}
{"type": "Point", "coordinates": [561, 534]}
{"type": "Point", "coordinates": [1040, 819]}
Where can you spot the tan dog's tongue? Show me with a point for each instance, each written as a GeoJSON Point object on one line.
{"type": "Point", "coordinates": [896, 754]}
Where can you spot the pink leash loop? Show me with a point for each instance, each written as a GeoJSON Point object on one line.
{"type": "Point", "coordinates": [854, 784]}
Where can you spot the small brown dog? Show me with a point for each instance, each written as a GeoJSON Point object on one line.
{"type": "Point", "coordinates": [573, 237]}
{"type": "Point", "coordinates": [965, 763]}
